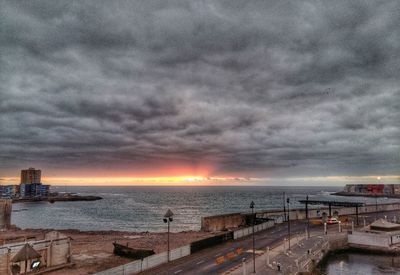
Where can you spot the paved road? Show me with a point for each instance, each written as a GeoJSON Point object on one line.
{"type": "Point", "coordinates": [203, 262]}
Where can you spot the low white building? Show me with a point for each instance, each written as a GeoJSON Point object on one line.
{"type": "Point", "coordinates": [380, 235]}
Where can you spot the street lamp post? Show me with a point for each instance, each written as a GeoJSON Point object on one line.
{"type": "Point", "coordinates": [254, 250]}
{"type": "Point", "coordinates": [288, 218]}
{"type": "Point", "coordinates": [167, 219]}
{"type": "Point", "coordinates": [284, 206]}
{"type": "Point", "coordinates": [308, 219]}
{"type": "Point", "coordinates": [376, 200]}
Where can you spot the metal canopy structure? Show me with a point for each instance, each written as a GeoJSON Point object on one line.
{"type": "Point", "coordinates": [332, 203]}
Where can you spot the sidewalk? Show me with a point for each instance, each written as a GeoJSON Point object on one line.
{"type": "Point", "coordinates": [302, 254]}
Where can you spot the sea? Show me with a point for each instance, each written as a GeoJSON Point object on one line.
{"type": "Point", "coordinates": [141, 208]}
{"type": "Point", "coordinates": [361, 264]}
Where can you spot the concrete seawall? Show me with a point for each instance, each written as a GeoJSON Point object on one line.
{"type": "Point", "coordinates": [5, 213]}
{"type": "Point", "coordinates": [235, 220]}
{"type": "Point", "coordinates": [300, 214]}
{"type": "Point", "coordinates": [223, 222]}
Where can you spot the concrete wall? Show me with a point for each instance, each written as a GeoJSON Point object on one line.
{"type": "Point", "coordinates": [298, 214]}
{"type": "Point", "coordinates": [373, 239]}
{"type": "Point", "coordinates": [249, 230]}
{"type": "Point", "coordinates": [5, 213]}
{"type": "Point", "coordinates": [54, 252]}
{"type": "Point", "coordinates": [235, 220]}
{"type": "Point", "coordinates": [148, 262]}
{"type": "Point", "coordinates": [222, 222]}
{"type": "Point", "coordinates": [369, 239]}
{"type": "Point", "coordinates": [395, 239]}
{"type": "Point", "coordinates": [368, 209]}
{"type": "Point", "coordinates": [179, 252]}
{"type": "Point", "coordinates": [154, 260]}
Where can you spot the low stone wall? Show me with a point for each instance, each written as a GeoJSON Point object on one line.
{"type": "Point", "coordinates": [5, 213]}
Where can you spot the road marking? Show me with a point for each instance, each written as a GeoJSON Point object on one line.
{"type": "Point", "coordinates": [200, 262]}
{"type": "Point", "coordinates": [217, 255]}
{"type": "Point", "coordinates": [176, 272]}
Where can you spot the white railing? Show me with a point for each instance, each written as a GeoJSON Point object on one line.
{"type": "Point", "coordinates": [161, 258]}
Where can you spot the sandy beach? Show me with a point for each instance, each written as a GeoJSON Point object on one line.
{"type": "Point", "coordinates": [92, 251]}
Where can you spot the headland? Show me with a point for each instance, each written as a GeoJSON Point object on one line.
{"type": "Point", "coordinates": [56, 198]}
{"type": "Point", "coordinates": [371, 190]}
{"type": "Point", "coordinates": [31, 189]}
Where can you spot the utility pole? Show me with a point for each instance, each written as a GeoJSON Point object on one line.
{"type": "Point", "coordinates": [288, 216]}
{"type": "Point", "coordinates": [284, 206]}
{"type": "Point", "coordinates": [376, 206]}
{"type": "Point", "coordinates": [308, 219]}
{"type": "Point", "coordinates": [254, 250]}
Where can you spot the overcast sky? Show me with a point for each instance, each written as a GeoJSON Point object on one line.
{"type": "Point", "coordinates": [210, 88]}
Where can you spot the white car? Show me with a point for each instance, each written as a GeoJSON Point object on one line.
{"type": "Point", "coordinates": [332, 220]}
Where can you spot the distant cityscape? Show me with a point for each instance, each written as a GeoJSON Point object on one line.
{"type": "Point", "coordinates": [30, 186]}
{"type": "Point", "coordinates": [372, 189]}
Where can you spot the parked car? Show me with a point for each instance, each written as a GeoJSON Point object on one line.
{"type": "Point", "coordinates": [332, 220]}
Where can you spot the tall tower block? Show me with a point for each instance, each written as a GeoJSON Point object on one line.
{"type": "Point", "coordinates": [30, 176]}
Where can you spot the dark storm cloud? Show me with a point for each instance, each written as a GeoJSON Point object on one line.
{"type": "Point", "coordinates": [250, 87]}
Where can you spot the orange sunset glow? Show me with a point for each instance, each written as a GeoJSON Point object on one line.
{"type": "Point", "coordinates": [187, 180]}
{"type": "Point", "coordinates": [193, 180]}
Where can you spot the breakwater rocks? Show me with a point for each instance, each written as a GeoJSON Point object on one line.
{"type": "Point", "coordinates": [53, 199]}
